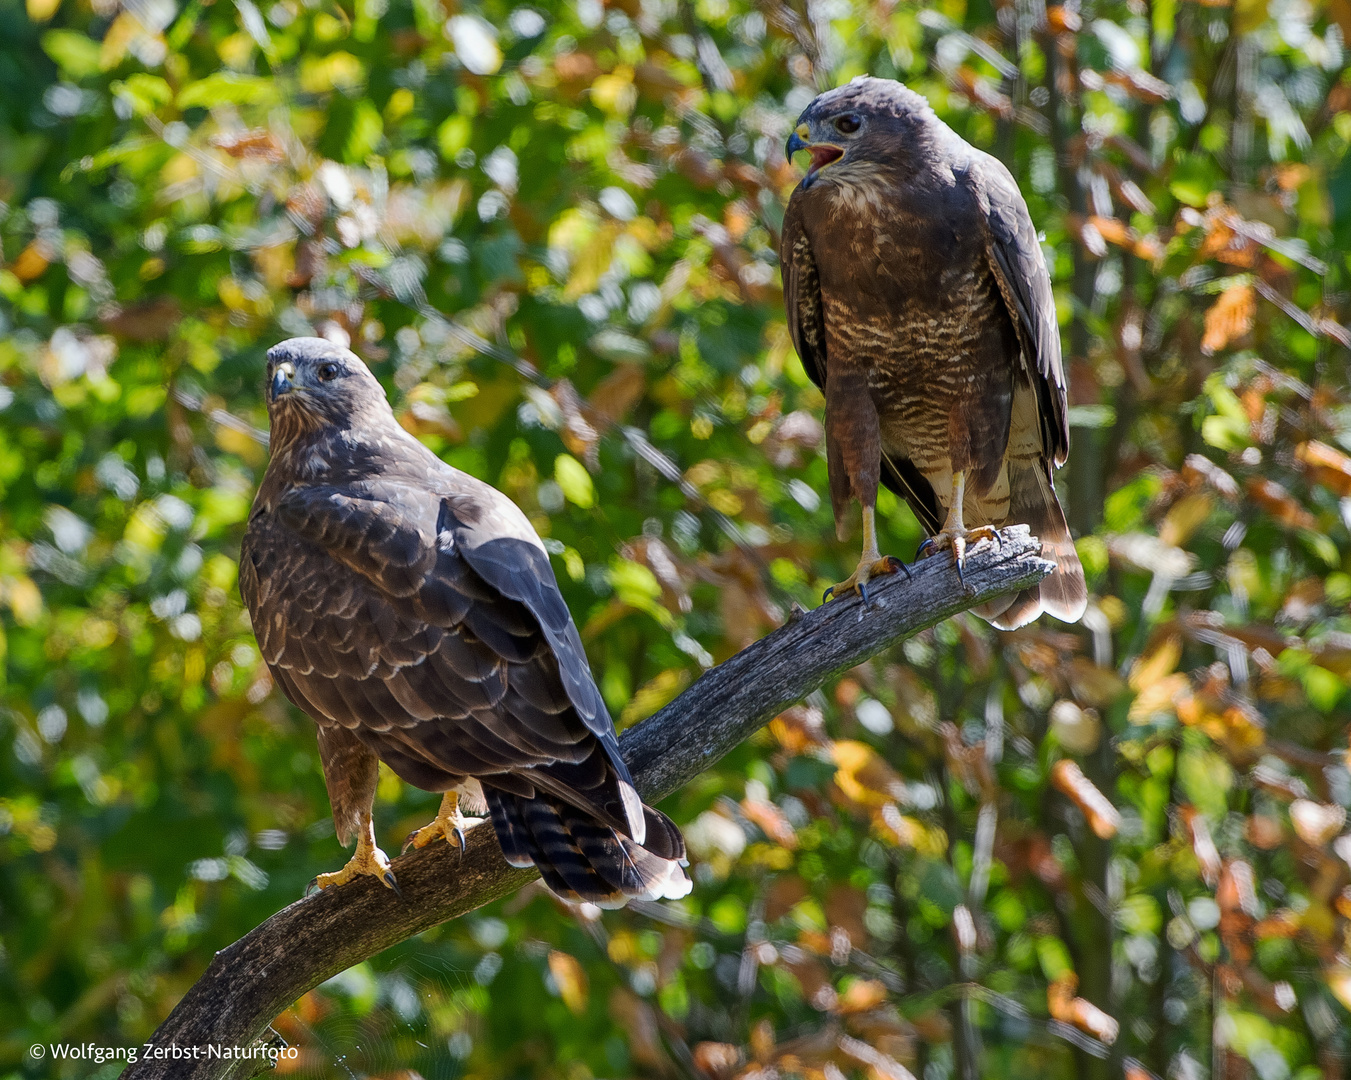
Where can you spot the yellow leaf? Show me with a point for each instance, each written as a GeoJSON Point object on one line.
{"type": "Point", "coordinates": [654, 694]}
{"type": "Point", "coordinates": [570, 980]}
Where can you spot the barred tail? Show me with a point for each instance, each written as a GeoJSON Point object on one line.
{"type": "Point", "coordinates": [1063, 593]}
{"type": "Point", "coordinates": [582, 859]}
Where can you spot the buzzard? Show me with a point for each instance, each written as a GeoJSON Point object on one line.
{"type": "Point", "coordinates": [411, 611]}
{"type": "Point", "coordinates": [919, 301]}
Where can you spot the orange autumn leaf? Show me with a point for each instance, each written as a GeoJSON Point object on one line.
{"type": "Point", "coordinates": [1229, 318]}
{"type": "Point", "coordinates": [31, 262]}
{"type": "Point", "coordinates": [771, 820]}
{"type": "Point", "coordinates": [862, 995]}
{"type": "Point", "coordinates": [1326, 466]}
{"type": "Point", "coordinates": [1102, 816]}
{"type": "Point", "coordinates": [1064, 1006]}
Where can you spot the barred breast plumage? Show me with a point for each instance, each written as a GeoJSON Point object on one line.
{"type": "Point", "coordinates": [919, 301]}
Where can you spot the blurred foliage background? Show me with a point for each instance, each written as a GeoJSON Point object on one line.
{"type": "Point", "coordinates": [1116, 849]}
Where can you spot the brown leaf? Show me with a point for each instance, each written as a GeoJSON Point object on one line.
{"type": "Point", "coordinates": [1279, 503]}
{"type": "Point", "coordinates": [149, 320]}
{"type": "Point", "coordinates": [257, 143]}
{"type": "Point", "coordinates": [1229, 318]}
{"type": "Point", "coordinates": [618, 392]}
{"type": "Point", "coordinates": [716, 1060]}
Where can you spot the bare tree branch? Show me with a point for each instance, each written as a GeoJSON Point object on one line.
{"type": "Point", "coordinates": [257, 977]}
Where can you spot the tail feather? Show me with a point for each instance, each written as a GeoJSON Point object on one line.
{"type": "Point", "coordinates": [1062, 593]}
{"type": "Point", "coordinates": [583, 859]}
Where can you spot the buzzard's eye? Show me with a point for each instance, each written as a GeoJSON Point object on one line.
{"type": "Point", "coordinates": [328, 372]}
{"type": "Point", "coordinates": [847, 125]}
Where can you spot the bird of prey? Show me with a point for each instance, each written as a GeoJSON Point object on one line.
{"type": "Point", "coordinates": [411, 611]}
{"type": "Point", "coordinates": [919, 301]}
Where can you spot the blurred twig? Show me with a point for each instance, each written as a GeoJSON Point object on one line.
{"type": "Point", "coordinates": [257, 977]}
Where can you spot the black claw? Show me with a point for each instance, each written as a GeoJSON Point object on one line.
{"type": "Point", "coordinates": [409, 842]}
{"type": "Point", "coordinates": [863, 592]}
{"type": "Point", "coordinates": [961, 568]}
{"type": "Point", "coordinates": [925, 549]}
{"type": "Point", "coordinates": [827, 594]}
{"type": "Point", "coordinates": [313, 886]}
{"type": "Point", "coordinates": [897, 564]}
{"type": "Point", "coordinates": [389, 880]}
{"type": "Point", "coordinates": [459, 835]}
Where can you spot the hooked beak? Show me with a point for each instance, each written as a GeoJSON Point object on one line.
{"type": "Point", "coordinates": [281, 380]}
{"type": "Point", "coordinates": [823, 154]}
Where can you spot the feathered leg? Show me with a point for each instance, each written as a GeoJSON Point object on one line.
{"type": "Point", "coordinates": [351, 771]}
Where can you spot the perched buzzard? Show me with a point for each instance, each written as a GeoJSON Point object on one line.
{"type": "Point", "coordinates": [411, 611]}
{"type": "Point", "coordinates": [919, 302]}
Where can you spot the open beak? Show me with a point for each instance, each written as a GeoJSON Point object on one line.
{"type": "Point", "coordinates": [281, 380]}
{"type": "Point", "coordinates": [823, 154]}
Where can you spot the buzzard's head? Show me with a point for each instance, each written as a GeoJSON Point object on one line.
{"type": "Point", "coordinates": [869, 121]}
{"type": "Point", "coordinates": [314, 384]}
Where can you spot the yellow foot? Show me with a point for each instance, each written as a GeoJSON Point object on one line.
{"type": "Point", "coordinates": [451, 826]}
{"type": "Point", "coordinates": [957, 540]}
{"type": "Point", "coordinates": [368, 861]}
{"type": "Point", "coordinates": [868, 569]}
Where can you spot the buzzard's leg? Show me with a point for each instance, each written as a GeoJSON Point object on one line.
{"type": "Point", "coordinates": [872, 564]}
{"type": "Point", "coordinates": [954, 533]}
{"type": "Point", "coordinates": [368, 859]}
{"type": "Point", "coordinates": [448, 823]}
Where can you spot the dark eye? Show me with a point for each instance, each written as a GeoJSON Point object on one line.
{"type": "Point", "coordinates": [327, 372]}
{"type": "Point", "coordinates": [847, 125]}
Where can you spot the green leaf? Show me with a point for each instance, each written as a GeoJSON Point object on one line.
{"type": "Point", "coordinates": [75, 54]}
{"type": "Point", "coordinates": [575, 481]}
{"type": "Point", "coordinates": [228, 88]}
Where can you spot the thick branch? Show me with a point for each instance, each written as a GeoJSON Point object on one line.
{"type": "Point", "coordinates": [263, 972]}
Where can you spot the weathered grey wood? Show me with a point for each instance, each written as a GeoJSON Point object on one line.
{"type": "Point", "coordinates": [253, 980]}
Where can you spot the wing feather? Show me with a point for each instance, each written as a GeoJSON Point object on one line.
{"type": "Point", "coordinates": [802, 294]}
{"type": "Point", "coordinates": [1020, 269]}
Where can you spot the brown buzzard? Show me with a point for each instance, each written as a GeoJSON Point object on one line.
{"type": "Point", "coordinates": [919, 302]}
{"type": "Point", "coordinates": [411, 611]}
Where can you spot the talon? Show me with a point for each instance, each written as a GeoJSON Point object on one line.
{"type": "Point", "coordinates": [459, 836]}
{"type": "Point", "coordinates": [409, 842]}
{"type": "Point", "coordinates": [897, 564]}
{"type": "Point", "coordinates": [828, 594]}
{"type": "Point", "coordinates": [863, 592]}
{"type": "Point", "coordinates": [390, 881]}
{"type": "Point", "coordinates": [312, 887]}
